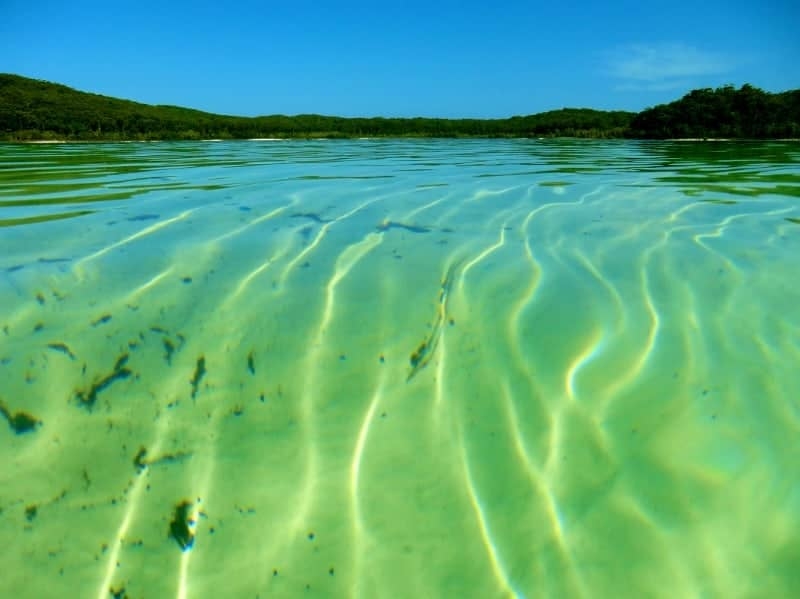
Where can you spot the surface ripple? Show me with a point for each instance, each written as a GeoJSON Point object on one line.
{"type": "Point", "coordinates": [388, 368]}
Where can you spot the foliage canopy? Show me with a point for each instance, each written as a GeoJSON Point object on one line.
{"type": "Point", "coordinates": [724, 112]}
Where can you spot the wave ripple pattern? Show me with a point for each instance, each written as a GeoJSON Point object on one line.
{"type": "Point", "coordinates": [379, 368]}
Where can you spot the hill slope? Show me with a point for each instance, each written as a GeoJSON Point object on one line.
{"type": "Point", "coordinates": [33, 109]}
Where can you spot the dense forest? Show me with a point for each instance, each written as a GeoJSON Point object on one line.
{"type": "Point", "coordinates": [38, 110]}
{"type": "Point", "coordinates": [725, 112]}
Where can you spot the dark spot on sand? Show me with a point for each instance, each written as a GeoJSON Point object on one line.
{"type": "Point", "coordinates": [118, 593]}
{"type": "Point", "coordinates": [199, 373]}
{"type": "Point", "coordinates": [179, 526]}
{"type": "Point", "coordinates": [418, 354]}
{"type": "Point", "coordinates": [88, 398]}
{"type": "Point", "coordinates": [101, 320]}
{"type": "Point", "coordinates": [388, 224]}
{"type": "Point", "coordinates": [138, 459]}
{"type": "Point", "coordinates": [310, 215]}
{"type": "Point", "coordinates": [62, 348]}
{"type": "Point", "coordinates": [30, 512]}
{"type": "Point", "coordinates": [20, 422]}
{"type": "Point", "coordinates": [251, 363]}
{"type": "Point", "coordinates": [169, 349]}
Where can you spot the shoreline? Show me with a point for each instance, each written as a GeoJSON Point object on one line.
{"type": "Point", "coordinates": [416, 137]}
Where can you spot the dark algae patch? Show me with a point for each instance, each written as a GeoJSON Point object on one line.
{"type": "Point", "coordinates": [118, 593]}
{"type": "Point", "coordinates": [422, 355]}
{"type": "Point", "coordinates": [794, 220]}
{"type": "Point", "coordinates": [62, 348]}
{"type": "Point", "coordinates": [170, 346]}
{"type": "Point", "coordinates": [312, 216]}
{"type": "Point", "coordinates": [169, 349]}
{"type": "Point", "coordinates": [138, 459]}
{"type": "Point", "coordinates": [251, 363]}
{"type": "Point", "coordinates": [88, 397]}
{"type": "Point", "coordinates": [179, 526]}
{"type": "Point", "coordinates": [419, 353]}
{"type": "Point", "coordinates": [20, 422]}
{"type": "Point", "coordinates": [141, 461]}
{"type": "Point", "coordinates": [101, 320]}
{"type": "Point", "coordinates": [199, 373]}
{"type": "Point", "coordinates": [387, 225]}
{"type": "Point", "coordinates": [30, 512]}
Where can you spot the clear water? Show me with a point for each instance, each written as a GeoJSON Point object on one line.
{"type": "Point", "coordinates": [400, 368]}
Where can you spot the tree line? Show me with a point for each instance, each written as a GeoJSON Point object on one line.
{"type": "Point", "coordinates": [31, 109]}
{"type": "Point", "coordinates": [725, 112]}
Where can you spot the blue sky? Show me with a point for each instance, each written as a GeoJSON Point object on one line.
{"type": "Point", "coordinates": [402, 58]}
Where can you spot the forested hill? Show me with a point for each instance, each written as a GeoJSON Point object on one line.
{"type": "Point", "coordinates": [31, 109]}
{"type": "Point", "coordinates": [725, 112]}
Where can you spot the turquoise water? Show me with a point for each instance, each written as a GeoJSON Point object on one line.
{"type": "Point", "coordinates": [524, 368]}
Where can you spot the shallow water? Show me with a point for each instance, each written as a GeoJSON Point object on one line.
{"type": "Point", "coordinates": [400, 368]}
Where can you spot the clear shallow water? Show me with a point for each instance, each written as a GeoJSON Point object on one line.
{"type": "Point", "coordinates": [400, 368]}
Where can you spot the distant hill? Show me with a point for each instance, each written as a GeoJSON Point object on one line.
{"type": "Point", "coordinates": [31, 109]}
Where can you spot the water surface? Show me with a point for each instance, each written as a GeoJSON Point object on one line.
{"type": "Point", "coordinates": [524, 368]}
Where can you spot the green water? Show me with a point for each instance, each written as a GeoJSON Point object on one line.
{"type": "Point", "coordinates": [400, 369]}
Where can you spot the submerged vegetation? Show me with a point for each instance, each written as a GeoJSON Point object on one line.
{"type": "Point", "coordinates": [422, 355]}
{"type": "Point", "coordinates": [179, 527]}
{"type": "Point", "coordinates": [87, 398]}
{"type": "Point", "coordinates": [38, 110]}
{"type": "Point", "coordinates": [20, 422]}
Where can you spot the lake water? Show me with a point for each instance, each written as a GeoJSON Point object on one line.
{"type": "Point", "coordinates": [469, 368]}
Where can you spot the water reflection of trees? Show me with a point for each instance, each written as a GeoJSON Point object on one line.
{"type": "Point", "coordinates": [743, 168]}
